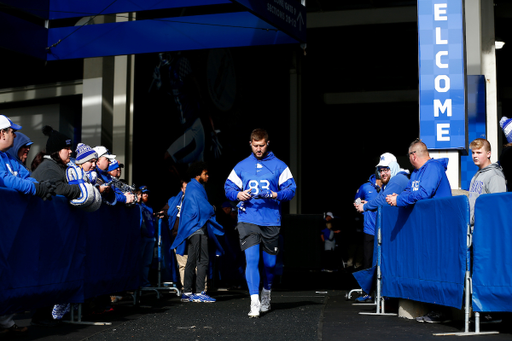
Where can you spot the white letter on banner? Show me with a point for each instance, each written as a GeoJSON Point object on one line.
{"type": "Point", "coordinates": [439, 10]}
{"type": "Point", "coordinates": [440, 41]}
{"type": "Point", "coordinates": [446, 107]}
{"type": "Point", "coordinates": [439, 64]}
{"type": "Point", "coordinates": [443, 131]}
{"type": "Point", "coordinates": [438, 83]}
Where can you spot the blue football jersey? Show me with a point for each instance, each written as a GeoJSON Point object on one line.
{"type": "Point", "coordinates": [270, 173]}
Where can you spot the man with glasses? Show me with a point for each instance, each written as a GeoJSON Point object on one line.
{"type": "Point", "coordinates": [393, 180]}
{"type": "Point", "coordinates": [428, 180]}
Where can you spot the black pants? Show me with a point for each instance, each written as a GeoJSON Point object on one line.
{"type": "Point", "coordinates": [368, 251]}
{"type": "Point", "coordinates": [197, 250]}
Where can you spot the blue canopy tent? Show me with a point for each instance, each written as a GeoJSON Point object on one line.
{"type": "Point", "coordinates": [46, 29]}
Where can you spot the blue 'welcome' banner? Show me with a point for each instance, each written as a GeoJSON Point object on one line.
{"type": "Point", "coordinates": [442, 74]}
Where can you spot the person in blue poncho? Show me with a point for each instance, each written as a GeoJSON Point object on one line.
{"type": "Point", "coordinates": [196, 225]}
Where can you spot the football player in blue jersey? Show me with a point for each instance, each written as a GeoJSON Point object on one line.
{"type": "Point", "coordinates": [260, 183]}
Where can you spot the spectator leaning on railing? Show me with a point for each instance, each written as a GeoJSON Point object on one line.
{"type": "Point", "coordinates": [54, 164]}
{"type": "Point", "coordinates": [428, 180]}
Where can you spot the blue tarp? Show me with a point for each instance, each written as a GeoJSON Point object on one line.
{"type": "Point", "coordinates": [492, 253]}
{"type": "Point", "coordinates": [424, 251]}
{"type": "Point", "coordinates": [53, 253]}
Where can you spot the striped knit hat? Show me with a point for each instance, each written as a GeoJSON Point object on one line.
{"type": "Point", "coordinates": [84, 153]}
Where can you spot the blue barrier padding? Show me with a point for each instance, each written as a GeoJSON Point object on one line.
{"type": "Point", "coordinates": [112, 250]}
{"type": "Point", "coordinates": [53, 253]}
{"type": "Point", "coordinates": [492, 253]}
{"type": "Point", "coordinates": [424, 251]}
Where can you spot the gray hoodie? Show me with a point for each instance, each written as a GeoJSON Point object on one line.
{"type": "Point", "coordinates": [487, 180]}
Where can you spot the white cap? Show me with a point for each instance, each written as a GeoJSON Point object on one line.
{"type": "Point", "coordinates": [329, 214]}
{"type": "Point", "coordinates": [5, 122]}
{"type": "Point", "coordinates": [102, 151]}
{"type": "Point", "coordinates": [386, 159]}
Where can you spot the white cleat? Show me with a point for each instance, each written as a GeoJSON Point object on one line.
{"type": "Point", "coordinates": [255, 310]}
{"type": "Point", "coordinates": [265, 301]}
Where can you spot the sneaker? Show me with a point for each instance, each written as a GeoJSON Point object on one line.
{"type": "Point", "coordinates": [435, 317]}
{"type": "Point", "coordinates": [265, 301]}
{"type": "Point", "coordinates": [364, 299]}
{"type": "Point", "coordinates": [13, 329]}
{"type": "Point", "coordinates": [255, 310]}
{"type": "Point", "coordinates": [186, 298]}
{"type": "Point", "coordinates": [204, 298]}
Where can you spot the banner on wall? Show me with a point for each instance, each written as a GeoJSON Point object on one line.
{"type": "Point", "coordinates": [442, 95]}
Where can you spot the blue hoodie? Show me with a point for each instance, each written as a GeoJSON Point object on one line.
{"type": "Point", "coordinates": [430, 181]}
{"type": "Point", "coordinates": [20, 140]}
{"type": "Point", "coordinates": [396, 184]}
{"type": "Point", "coordinates": [369, 191]}
{"type": "Point", "coordinates": [269, 173]}
{"type": "Point", "coordinates": [14, 175]}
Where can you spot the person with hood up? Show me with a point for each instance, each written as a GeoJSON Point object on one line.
{"type": "Point", "coordinates": [428, 180]}
{"type": "Point", "coordinates": [488, 179]}
{"type": "Point", "coordinates": [393, 180]}
{"type": "Point", "coordinates": [20, 148]}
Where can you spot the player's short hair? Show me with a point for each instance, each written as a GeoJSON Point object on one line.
{"type": "Point", "coordinates": [197, 169]}
{"type": "Point", "coordinates": [479, 143]}
{"type": "Point", "coordinates": [259, 134]}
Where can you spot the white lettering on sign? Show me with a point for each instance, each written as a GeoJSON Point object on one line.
{"type": "Point", "coordinates": [439, 63]}
{"type": "Point", "coordinates": [286, 12]}
{"type": "Point", "coordinates": [439, 10]}
{"type": "Point", "coordinates": [443, 132]}
{"type": "Point", "coordinates": [446, 107]}
{"type": "Point", "coordinates": [442, 82]}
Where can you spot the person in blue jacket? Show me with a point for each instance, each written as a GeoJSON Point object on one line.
{"type": "Point", "coordinates": [367, 192]}
{"type": "Point", "coordinates": [12, 173]}
{"type": "Point", "coordinates": [260, 183]}
{"type": "Point", "coordinates": [393, 180]}
{"type": "Point", "coordinates": [428, 180]}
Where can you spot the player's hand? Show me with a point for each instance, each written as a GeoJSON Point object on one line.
{"type": "Point", "coordinates": [391, 199]}
{"type": "Point", "coordinates": [244, 195]}
{"type": "Point", "coordinates": [359, 208]}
